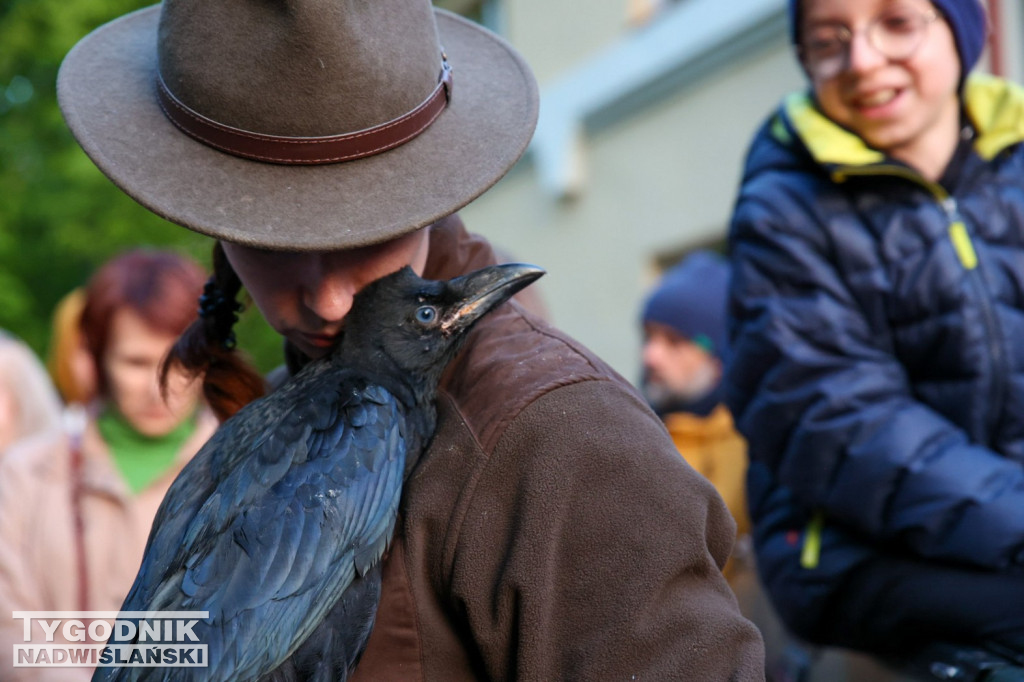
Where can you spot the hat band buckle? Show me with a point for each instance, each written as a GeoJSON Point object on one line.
{"type": "Point", "coordinates": [308, 150]}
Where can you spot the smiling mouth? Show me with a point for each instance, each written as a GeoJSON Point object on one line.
{"type": "Point", "coordinates": [877, 98]}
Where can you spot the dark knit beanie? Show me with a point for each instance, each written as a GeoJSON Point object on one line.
{"type": "Point", "coordinates": [691, 299]}
{"type": "Point", "coordinates": [965, 17]}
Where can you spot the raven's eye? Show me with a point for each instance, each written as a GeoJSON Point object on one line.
{"type": "Point", "coordinates": [426, 314]}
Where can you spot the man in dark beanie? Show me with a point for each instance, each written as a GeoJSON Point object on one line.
{"type": "Point", "coordinates": [685, 346]}
{"type": "Point", "coordinates": [876, 315]}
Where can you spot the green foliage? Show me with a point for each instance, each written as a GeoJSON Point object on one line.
{"type": "Point", "coordinates": [59, 216]}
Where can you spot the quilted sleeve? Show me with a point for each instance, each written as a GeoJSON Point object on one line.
{"type": "Point", "coordinates": [827, 407]}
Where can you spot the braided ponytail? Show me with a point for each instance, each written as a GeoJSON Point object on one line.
{"type": "Point", "coordinates": [207, 347]}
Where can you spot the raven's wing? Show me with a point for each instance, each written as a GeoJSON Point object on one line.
{"type": "Point", "coordinates": [310, 502]}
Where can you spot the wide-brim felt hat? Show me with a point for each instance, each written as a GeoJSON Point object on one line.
{"type": "Point", "coordinates": [260, 78]}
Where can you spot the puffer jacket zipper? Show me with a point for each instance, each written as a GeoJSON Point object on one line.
{"type": "Point", "coordinates": [960, 237]}
{"type": "Point", "coordinates": [997, 358]}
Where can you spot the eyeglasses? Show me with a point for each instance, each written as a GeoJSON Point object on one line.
{"type": "Point", "coordinates": [896, 34]}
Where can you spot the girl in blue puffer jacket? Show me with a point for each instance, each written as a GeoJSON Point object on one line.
{"type": "Point", "coordinates": [877, 319]}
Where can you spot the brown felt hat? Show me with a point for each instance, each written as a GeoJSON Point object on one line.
{"type": "Point", "coordinates": [299, 124]}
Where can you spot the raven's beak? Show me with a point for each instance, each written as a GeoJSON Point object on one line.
{"type": "Point", "coordinates": [483, 290]}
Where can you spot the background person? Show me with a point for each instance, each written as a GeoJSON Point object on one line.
{"type": "Point", "coordinates": [67, 359]}
{"type": "Point", "coordinates": [684, 350]}
{"type": "Point", "coordinates": [75, 513]}
{"type": "Point", "coordinates": [28, 403]}
{"type": "Point", "coordinates": [550, 531]}
{"type": "Point", "coordinates": [877, 368]}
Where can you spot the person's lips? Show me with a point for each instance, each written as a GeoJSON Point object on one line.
{"type": "Point", "coordinates": [877, 103]}
{"type": "Point", "coordinates": [316, 344]}
{"type": "Point", "coordinates": [320, 340]}
{"type": "Point", "coordinates": [877, 98]}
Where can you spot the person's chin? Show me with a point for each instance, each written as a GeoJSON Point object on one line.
{"type": "Point", "coordinates": [154, 427]}
{"type": "Point", "coordinates": [657, 396]}
{"type": "Point", "coordinates": [312, 352]}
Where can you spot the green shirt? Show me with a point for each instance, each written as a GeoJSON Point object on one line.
{"type": "Point", "coordinates": [141, 459]}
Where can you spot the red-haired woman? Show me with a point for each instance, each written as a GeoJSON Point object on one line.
{"type": "Point", "coordinates": [75, 510]}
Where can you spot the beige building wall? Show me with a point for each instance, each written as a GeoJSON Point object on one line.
{"type": "Point", "coordinates": [658, 179]}
{"type": "Point", "coordinates": [1011, 32]}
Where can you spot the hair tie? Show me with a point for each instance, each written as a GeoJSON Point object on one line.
{"type": "Point", "coordinates": [219, 314]}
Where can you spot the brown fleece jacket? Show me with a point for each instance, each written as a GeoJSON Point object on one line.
{"type": "Point", "coordinates": [551, 531]}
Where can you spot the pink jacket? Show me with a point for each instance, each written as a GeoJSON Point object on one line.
{"type": "Point", "coordinates": [39, 566]}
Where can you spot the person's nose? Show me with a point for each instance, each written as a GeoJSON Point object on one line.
{"type": "Point", "coordinates": [154, 392]}
{"type": "Point", "coordinates": [861, 55]}
{"type": "Point", "coordinates": [330, 285]}
{"type": "Point", "coordinates": [651, 354]}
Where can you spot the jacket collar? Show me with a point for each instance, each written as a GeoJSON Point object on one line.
{"type": "Point", "coordinates": [718, 424]}
{"type": "Point", "coordinates": [994, 106]}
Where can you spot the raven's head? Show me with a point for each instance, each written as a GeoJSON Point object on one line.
{"type": "Point", "coordinates": [404, 323]}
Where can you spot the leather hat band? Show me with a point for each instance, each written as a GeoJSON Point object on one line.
{"type": "Point", "coordinates": [308, 150]}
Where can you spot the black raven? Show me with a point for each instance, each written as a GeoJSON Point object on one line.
{"type": "Point", "coordinates": [278, 524]}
